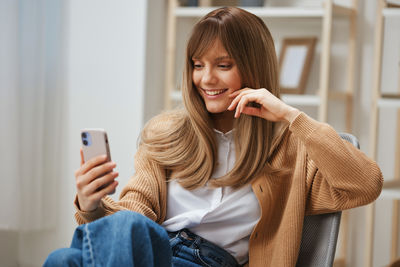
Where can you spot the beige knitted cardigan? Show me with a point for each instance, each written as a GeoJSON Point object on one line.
{"type": "Point", "coordinates": [325, 174]}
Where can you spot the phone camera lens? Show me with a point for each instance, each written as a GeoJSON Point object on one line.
{"type": "Point", "coordinates": [85, 142]}
{"type": "Point", "coordinates": [84, 135]}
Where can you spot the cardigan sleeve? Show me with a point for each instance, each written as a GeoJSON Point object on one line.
{"type": "Point", "coordinates": [144, 193]}
{"type": "Point", "coordinates": [338, 175]}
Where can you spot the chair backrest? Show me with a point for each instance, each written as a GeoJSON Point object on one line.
{"type": "Point", "coordinates": [320, 233]}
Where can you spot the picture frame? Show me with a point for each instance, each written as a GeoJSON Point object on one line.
{"type": "Point", "coordinates": [295, 62]}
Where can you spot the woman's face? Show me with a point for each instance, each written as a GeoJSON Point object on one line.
{"type": "Point", "coordinates": [215, 76]}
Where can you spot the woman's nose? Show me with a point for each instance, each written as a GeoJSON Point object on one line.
{"type": "Point", "coordinates": [209, 76]}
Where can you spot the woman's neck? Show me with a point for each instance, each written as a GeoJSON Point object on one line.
{"type": "Point", "coordinates": [223, 122]}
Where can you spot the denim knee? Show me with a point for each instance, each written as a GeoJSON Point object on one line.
{"type": "Point", "coordinates": [64, 257]}
{"type": "Point", "coordinates": [123, 220]}
{"type": "Point", "coordinates": [142, 241]}
{"type": "Point", "coordinates": [132, 216]}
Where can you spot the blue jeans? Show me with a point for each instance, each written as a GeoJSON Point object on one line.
{"type": "Point", "coordinates": [128, 238]}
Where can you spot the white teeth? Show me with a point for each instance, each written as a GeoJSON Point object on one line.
{"type": "Point", "coordinates": [214, 92]}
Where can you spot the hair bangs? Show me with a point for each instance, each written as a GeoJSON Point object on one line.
{"type": "Point", "coordinates": [203, 38]}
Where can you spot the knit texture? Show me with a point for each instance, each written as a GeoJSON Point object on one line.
{"type": "Point", "coordinates": [322, 173]}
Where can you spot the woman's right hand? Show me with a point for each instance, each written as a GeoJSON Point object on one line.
{"type": "Point", "coordinates": [94, 180]}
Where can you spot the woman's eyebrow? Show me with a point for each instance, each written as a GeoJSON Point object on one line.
{"type": "Point", "coordinates": [222, 58]}
{"type": "Point", "coordinates": [216, 59]}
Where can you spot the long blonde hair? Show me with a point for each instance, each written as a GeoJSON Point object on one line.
{"type": "Point", "coordinates": [186, 145]}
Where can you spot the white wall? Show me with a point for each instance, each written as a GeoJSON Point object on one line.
{"type": "Point", "coordinates": [9, 114]}
{"type": "Point", "coordinates": [104, 87]}
{"type": "Point", "coordinates": [8, 107]}
{"type": "Point", "coordinates": [155, 59]}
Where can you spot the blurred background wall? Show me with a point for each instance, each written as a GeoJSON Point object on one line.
{"type": "Point", "coordinates": [65, 65]}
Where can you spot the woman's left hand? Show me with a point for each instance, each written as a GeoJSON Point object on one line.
{"type": "Point", "coordinates": [271, 108]}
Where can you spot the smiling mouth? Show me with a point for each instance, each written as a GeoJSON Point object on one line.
{"type": "Point", "coordinates": [214, 92]}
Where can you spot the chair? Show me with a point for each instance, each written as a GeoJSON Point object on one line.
{"type": "Point", "coordinates": [320, 233]}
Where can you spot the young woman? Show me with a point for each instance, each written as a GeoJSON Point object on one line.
{"type": "Point", "coordinates": [228, 180]}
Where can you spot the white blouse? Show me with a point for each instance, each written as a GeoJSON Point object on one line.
{"type": "Point", "coordinates": [224, 216]}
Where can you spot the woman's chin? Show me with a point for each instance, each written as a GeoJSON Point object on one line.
{"type": "Point", "coordinates": [219, 111]}
{"type": "Point", "coordinates": [214, 110]}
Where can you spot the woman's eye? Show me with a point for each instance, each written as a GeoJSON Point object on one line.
{"type": "Point", "coordinates": [197, 66]}
{"type": "Point", "coordinates": [224, 66]}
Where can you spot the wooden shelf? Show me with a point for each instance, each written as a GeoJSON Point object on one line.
{"type": "Point", "coordinates": [389, 102]}
{"type": "Point", "coordinates": [279, 12]}
{"type": "Point", "coordinates": [302, 100]}
{"type": "Point", "coordinates": [269, 12]}
{"type": "Point", "coordinates": [391, 12]}
{"type": "Point", "coordinates": [391, 190]}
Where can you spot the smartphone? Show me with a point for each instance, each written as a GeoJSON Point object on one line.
{"type": "Point", "coordinates": [94, 143]}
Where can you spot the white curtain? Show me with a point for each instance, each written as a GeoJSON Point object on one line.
{"type": "Point", "coordinates": [31, 110]}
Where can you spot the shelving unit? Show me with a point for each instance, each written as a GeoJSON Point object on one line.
{"type": "Point", "coordinates": [326, 13]}
{"type": "Point", "coordinates": [391, 188]}
{"type": "Point", "coordinates": [278, 12]}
